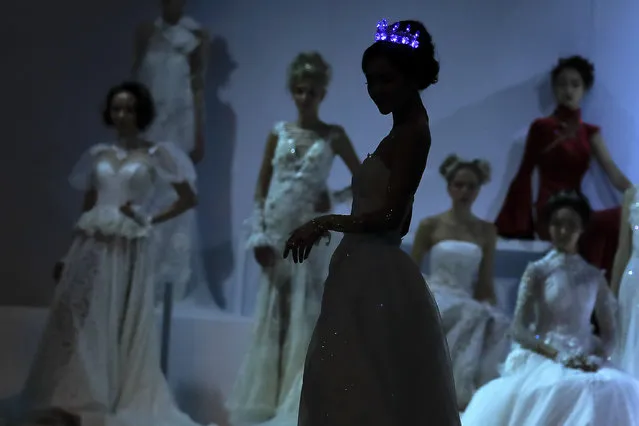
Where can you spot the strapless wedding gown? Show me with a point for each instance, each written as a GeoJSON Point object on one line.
{"type": "Point", "coordinates": [476, 332]}
{"type": "Point", "coordinates": [378, 356]}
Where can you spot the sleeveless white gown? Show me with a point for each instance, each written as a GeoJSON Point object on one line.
{"type": "Point", "coordinates": [99, 354]}
{"type": "Point", "coordinates": [166, 71]}
{"type": "Point", "coordinates": [261, 392]}
{"type": "Point", "coordinates": [476, 332]}
{"type": "Point", "coordinates": [557, 296]}
{"type": "Point", "coordinates": [627, 353]}
{"type": "Point", "coordinates": [378, 356]}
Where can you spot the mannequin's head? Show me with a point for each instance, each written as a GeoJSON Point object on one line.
{"type": "Point", "coordinates": [128, 108]}
{"type": "Point", "coordinates": [567, 215]}
{"type": "Point", "coordinates": [308, 78]}
{"type": "Point", "coordinates": [464, 179]}
{"type": "Point", "coordinates": [571, 79]}
{"type": "Point", "coordinates": [396, 73]}
{"type": "Point", "coordinates": [172, 10]}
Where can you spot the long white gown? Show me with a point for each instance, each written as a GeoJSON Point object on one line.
{"type": "Point", "coordinates": [627, 352]}
{"type": "Point", "coordinates": [557, 296]}
{"type": "Point", "coordinates": [476, 332]}
{"type": "Point", "coordinates": [99, 354]}
{"type": "Point", "coordinates": [378, 355]}
{"type": "Point", "coordinates": [165, 69]}
{"type": "Point", "coordinates": [262, 392]}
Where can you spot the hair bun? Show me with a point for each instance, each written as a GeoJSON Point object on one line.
{"type": "Point", "coordinates": [448, 166]}
{"type": "Point", "coordinates": [485, 168]}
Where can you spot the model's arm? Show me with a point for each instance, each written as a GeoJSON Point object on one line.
{"type": "Point", "coordinates": [485, 284]}
{"type": "Point", "coordinates": [406, 170]}
{"type": "Point", "coordinates": [624, 247]}
{"type": "Point", "coordinates": [515, 219]}
{"type": "Point", "coordinates": [258, 236]}
{"type": "Point", "coordinates": [140, 43]}
{"type": "Point", "coordinates": [186, 201]}
{"type": "Point", "coordinates": [423, 240]}
{"type": "Point", "coordinates": [526, 314]}
{"type": "Point", "coordinates": [603, 157]}
{"type": "Point", "coordinates": [198, 62]}
{"type": "Point", "coordinates": [605, 312]}
{"type": "Point", "coordinates": [89, 200]}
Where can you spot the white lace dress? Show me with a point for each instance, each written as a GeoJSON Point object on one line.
{"type": "Point", "coordinates": [378, 355]}
{"type": "Point", "coordinates": [262, 391]}
{"type": "Point", "coordinates": [557, 296]}
{"type": "Point", "coordinates": [99, 354]}
{"type": "Point", "coordinates": [476, 332]}
{"type": "Point", "coordinates": [627, 352]}
{"type": "Point", "coordinates": [165, 69]}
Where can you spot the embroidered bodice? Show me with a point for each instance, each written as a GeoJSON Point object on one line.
{"type": "Point", "coordinates": [301, 165]}
{"type": "Point", "coordinates": [557, 297]}
{"type": "Point", "coordinates": [454, 264]}
{"type": "Point", "coordinates": [118, 176]}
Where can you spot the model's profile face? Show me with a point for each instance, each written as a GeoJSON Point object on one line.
{"type": "Point", "coordinates": [307, 96]}
{"type": "Point", "coordinates": [123, 112]}
{"type": "Point", "coordinates": [387, 86]}
{"type": "Point", "coordinates": [565, 228]}
{"type": "Point", "coordinates": [463, 188]}
{"type": "Point", "coordinates": [569, 88]}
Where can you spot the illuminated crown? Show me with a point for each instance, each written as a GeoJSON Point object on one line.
{"type": "Point", "coordinates": [395, 35]}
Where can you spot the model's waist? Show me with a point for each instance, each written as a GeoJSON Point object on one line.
{"type": "Point", "coordinates": [109, 220]}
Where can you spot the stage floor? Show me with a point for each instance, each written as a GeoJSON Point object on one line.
{"type": "Point", "coordinates": [206, 349]}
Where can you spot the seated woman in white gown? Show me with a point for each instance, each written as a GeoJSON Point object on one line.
{"type": "Point", "coordinates": [378, 355]}
{"type": "Point", "coordinates": [98, 358]}
{"type": "Point", "coordinates": [462, 248]}
{"type": "Point", "coordinates": [557, 373]}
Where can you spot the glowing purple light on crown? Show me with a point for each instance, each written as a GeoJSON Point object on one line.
{"type": "Point", "coordinates": [395, 35]}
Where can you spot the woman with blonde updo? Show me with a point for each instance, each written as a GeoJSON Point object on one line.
{"type": "Point", "coordinates": [291, 190]}
{"type": "Point", "coordinates": [462, 248]}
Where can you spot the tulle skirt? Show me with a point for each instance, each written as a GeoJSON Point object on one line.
{"type": "Point", "coordinates": [627, 352]}
{"type": "Point", "coordinates": [99, 355]}
{"type": "Point", "coordinates": [378, 356]}
{"type": "Point", "coordinates": [477, 336]}
{"type": "Point", "coordinates": [536, 391]}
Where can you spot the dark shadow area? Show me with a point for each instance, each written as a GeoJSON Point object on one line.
{"type": "Point", "coordinates": [214, 209]}
{"type": "Point", "coordinates": [484, 122]}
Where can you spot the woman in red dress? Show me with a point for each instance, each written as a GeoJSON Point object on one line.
{"type": "Point", "coordinates": [560, 147]}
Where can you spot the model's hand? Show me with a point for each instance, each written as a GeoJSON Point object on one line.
{"type": "Point", "coordinates": [128, 210]}
{"type": "Point", "coordinates": [265, 256]}
{"type": "Point", "coordinates": [303, 239]}
{"type": "Point", "coordinates": [323, 203]}
{"type": "Point", "coordinates": [581, 362]}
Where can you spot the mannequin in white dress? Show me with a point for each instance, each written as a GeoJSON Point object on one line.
{"type": "Point", "coordinates": [625, 284]}
{"type": "Point", "coordinates": [378, 355]}
{"type": "Point", "coordinates": [558, 373]}
{"type": "Point", "coordinates": [462, 248]}
{"type": "Point", "coordinates": [99, 355]}
{"type": "Point", "coordinates": [170, 58]}
{"type": "Point", "coordinates": [291, 190]}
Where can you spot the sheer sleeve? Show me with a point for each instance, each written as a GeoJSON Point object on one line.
{"type": "Point", "coordinates": [524, 322]}
{"type": "Point", "coordinates": [605, 311]}
{"type": "Point", "coordinates": [81, 177]}
{"type": "Point", "coordinates": [173, 165]}
{"type": "Point", "coordinates": [515, 220]}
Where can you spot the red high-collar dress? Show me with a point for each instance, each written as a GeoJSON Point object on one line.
{"type": "Point", "coordinates": [562, 166]}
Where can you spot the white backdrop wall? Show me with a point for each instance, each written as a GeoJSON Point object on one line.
{"type": "Point", "coordinates": [60, 57]}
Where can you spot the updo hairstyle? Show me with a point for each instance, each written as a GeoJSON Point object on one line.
{"type": "Point", "coordinates": [583, 66]}
{"type": "Point", "coordinates": [452, 164]}
{"type": "Point", "coordinates": [309, 66]}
